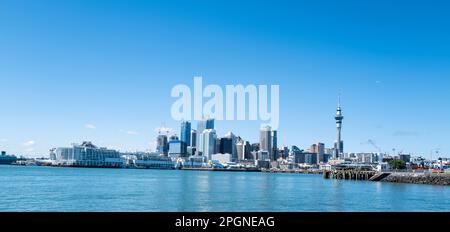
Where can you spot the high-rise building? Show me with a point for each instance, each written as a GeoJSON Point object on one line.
{"type": "Point", "coordinates": [185, 137]}
{"type": "Point", "coordinates": [185, 134]}
{"type": "Point", "coordinates": [205, 124]}
{"type": "Point", "coordinates": [310, 158]}
{"type": "Point", "coordinates": [176, 148]}
{"type": "Point", "coordinates": [298, 155]}
{"type": "Point", "coordinates": [275, 145]}
{"type": "Point", "coordinates": [240, 148]}
{"type": "Point", "coordinates": [231, 137]}
{"type": "Point", "coordinates": [193, 138]}
{"type": "Point", "coordinates": [248, 151]}
{"type": "Point", "coordinates": [283, 153]}
{"type": "Point", "coordinates": [218, 144]}
{"type": "Point", "coordinates": [265, 140]}
{"type": "Point", "coordinates": [255, 147]}
{"type": "Point", "coordinates": [319, 149]}
{"type": "Point", "coordinates": [162, 145]}
{"type": "Point", "coordinates": [226, 145]}
{"type": "Point", "coordinates": [209, 142]}
{"type": "Point", "coordinates": [339, 145]}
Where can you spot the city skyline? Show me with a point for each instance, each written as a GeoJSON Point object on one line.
{"type": "Point", "coordinates": [103, 72]}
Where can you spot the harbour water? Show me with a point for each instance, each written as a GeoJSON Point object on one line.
{"type": "Point", "coordinates": [37, 189]}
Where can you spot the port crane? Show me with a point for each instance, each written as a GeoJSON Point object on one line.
{"type": "Point", "coordinates": [371, 142]}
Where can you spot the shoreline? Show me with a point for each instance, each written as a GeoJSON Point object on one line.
{"type": "Point", "coordinates": [440, 179]}
{"type": "Point", "coordinates": [437, 179]}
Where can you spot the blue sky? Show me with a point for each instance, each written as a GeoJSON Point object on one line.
{"type": "Point", "coordinates": [103, 70]}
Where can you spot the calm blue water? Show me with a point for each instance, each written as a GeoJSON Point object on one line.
{"type": "Point", "coordinates": [104, 190]}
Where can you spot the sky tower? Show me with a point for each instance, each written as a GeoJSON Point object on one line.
{"type": "Point", "coordinates": [339, 145]}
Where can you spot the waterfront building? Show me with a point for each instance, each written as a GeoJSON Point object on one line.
{"type": "Point", "coordinates": [196, 161]}
{"type": "Point", "coordinates": [222, 158]}
{"type": "Point", "coordinates": [310, 158]}
{"type": "Point", "coordinates": [262, 164]}
{"type": "Point", "coordinates": [185, 137]}
{"type": "Point", "coordinates": [88, 155]}
{"type": "Point", "coordinates": [7, 159]}
{"type": "Point", "coordinates": [176, 148]}
{"type": "Point", "coordinates": [162, 145]}
{"type": "Point", "coordinates": [364, 158]}
{"type": "Point", "coordinates": [146, 160]}
{"type": "Point", "coordinates": [265, 140]}
{"type": "Point", "coordinates": [208, 139]}
{"type": "Point", "coordinates": [52, 154]}
{"type": "Point", "coordinates": [339, 144]}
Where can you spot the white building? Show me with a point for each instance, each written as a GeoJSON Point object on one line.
{"type": "Point", "coordinates": [208, 139]}
{"type": "Point", "coordinates": [222, 158]}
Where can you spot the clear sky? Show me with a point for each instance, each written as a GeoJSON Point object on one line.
{"type": "Point", "coordinates": [103, 70]}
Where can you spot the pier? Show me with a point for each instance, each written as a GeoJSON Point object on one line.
{"type": "Point", "coordinates": [349, 174]}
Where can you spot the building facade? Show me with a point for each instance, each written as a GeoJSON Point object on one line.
{"type": "Point", "coordinates": [88, 155]}
{"type": "Point", "coordinates": [208, 139]}
{"type": "Point", "coordinates": [265, 140]}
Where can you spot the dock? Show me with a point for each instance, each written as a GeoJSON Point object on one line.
{"type": "Point", "coordinates": [349, 174]}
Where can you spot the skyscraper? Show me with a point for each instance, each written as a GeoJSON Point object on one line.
{"type": "Point", "coordinates": [320, 152]}
{"type": "Point", "coordinates": [185, 137]}
{"type": "Point", "coordinates": [205, 124]}
{"type": "Point", "coordinates": [240, 148]}
{"type": "Point", "coordinates": [226, 146]}
{"type": "Point", "coordinates": [185, 134]}
{"type": "Point", "coordinates": [231, 137]}
{"type": "Point", "coordinates": [339, 145]}
{"type": "Point", "coordinates": [162, 145]}
{"type": "Point", "coordinates": [193, 138]}
{"type": "Point", "coordinates": [275, 145]}
{"type": "Point", "coordinates": [265, 140]}
{"type": "Point", "coordinates": [209, 142]}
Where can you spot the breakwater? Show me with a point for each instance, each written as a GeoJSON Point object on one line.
{"type": "Point", "coordinates": [418, 178]}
